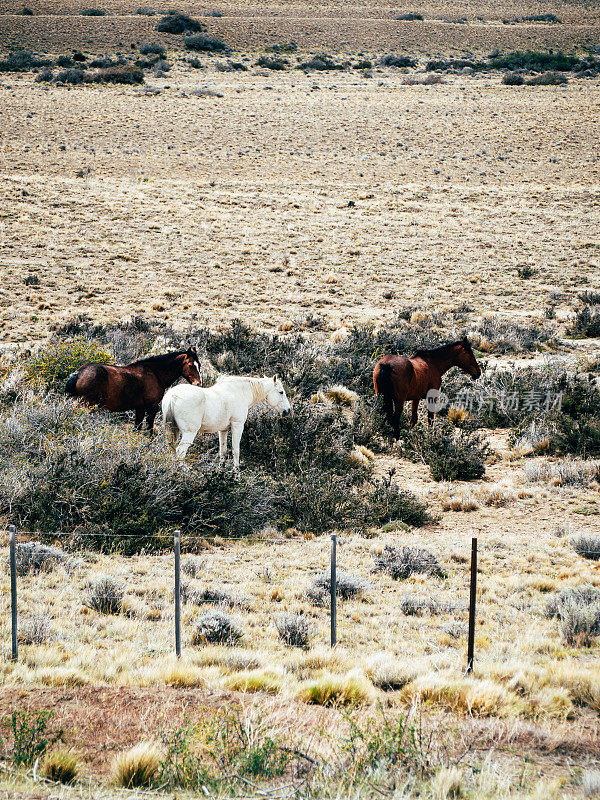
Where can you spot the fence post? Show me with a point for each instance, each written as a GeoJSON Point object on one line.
{"type": "Point", "coordinates": [177, 544]}
{"type": "Point", "coordinates": [473, 595]}
{"type": "Point", "coordinates": [13, 591]}
{"type": "Point", "coordinates": [333, 590]}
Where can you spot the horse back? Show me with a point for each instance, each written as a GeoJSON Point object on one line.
{"type": "Point", "coordinates": [115, 388]}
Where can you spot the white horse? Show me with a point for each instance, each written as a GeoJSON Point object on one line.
{"type": "Point", "coordinates": [188, 409]}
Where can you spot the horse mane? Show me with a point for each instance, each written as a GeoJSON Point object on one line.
{"type": "Point", "coordinates": [439, 351]}
{"type": "Point", "coordinates": [160, 358]}
{"type": "Point", "coordinates": [256, 384]}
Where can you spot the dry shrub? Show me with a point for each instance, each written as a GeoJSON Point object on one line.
{"type": "Point", "coordinates": [401, 562]}
{"type": "Point", "coordinates": [35, 630]}
{"type": "Point", "coordinates": [578, 610]}
{"type": "Point", "coordinates": [105, 594]}
{"type": "Point", "coordinates": [137, 767]}
{"type": "Point", "coordinates": [548, 79]}
{"type": "Point", "coordinates": [346, 586]}
{"type": "Point", "coordinates": [417, 605]}
{"type": "Point", "coordinates": [35, 557]}
{"type": "Point", "coordinates": [126, 74]}
{"type": "Point", "coordinates": [176, 23]}
{"type": "Point", "coordinates": [216, 627]}
{"type": "Point", "coordinates": [294, 629]}
{"type": "Point", "coordinates": [219, 596]}
{"type": "Point", "coordinates": [587, 546]}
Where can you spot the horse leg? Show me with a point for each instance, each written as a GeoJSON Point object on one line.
{"type": "Point", "coordinates": [395, 421]}
{"type": "Point", "coordinates": [223, 444]}
{"type": "Point", "coordinates": [184, 445]}
{"type": "Point", "coordinates": [139, 418]}
{"type": "Point", "coordinates": [151, 413]}
{"type": "Point", "coordinates": [430, 416]}
{"type": "Point", "coordinates": [415, 413]}
{"type": "Point", "coordinates": [237, 428]}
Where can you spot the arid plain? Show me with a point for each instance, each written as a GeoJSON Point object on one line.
{"type": "Point", "coordinates": [283, 197]}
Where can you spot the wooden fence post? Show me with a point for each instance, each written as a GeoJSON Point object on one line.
{"type": "Point", "coordinates": [333, 590]}
{"type": "Point", "coordinates": [13, 591]}
{"type": "Point", "coordinates": [177, 544]}
{"type": "Point", "coordinates": [472, 598]}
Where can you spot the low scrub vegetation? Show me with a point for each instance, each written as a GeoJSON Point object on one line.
{"type": "Point", "coordinates": [452, 454]}
{"type": "Point", "coordinates": [178, 24]}
{"type": "Point", "coordinates": [136, 768]}
{"type": "Point", "coordinates": [402, 562]}
{"type": "Point", "coordinates": [578, 611]}
{"type": "Point", "coordinates": [294, 629]}
{"type": "Point", "coordinates": [61, 766]}
{"type": "Point", "coordinates": [216, 627]}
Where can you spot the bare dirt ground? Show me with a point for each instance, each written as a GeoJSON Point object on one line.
{"type": "Point", "coordinates": [292, 192]}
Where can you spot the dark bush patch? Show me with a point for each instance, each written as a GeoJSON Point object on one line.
{"type": "Point", "coordinates": [346, 586]}
{"type": "Point", "coordinates": [540, 18]}
{"type": "Point", "coordinates": [513, 79]}
{"type": "Point", "coordinates": [23, 61]}
{"type": "Point", "coordinates": [229, 66]}
{"type": "Point", "coordinates": [587, 546]}
{"type": "Point", "coordinates": [536, 61]}
{"type": "Point", "coordinates": [293, 629]}
{"type": "Point", "coordinates": [203, 43]}
{"type": "Point", "coordinates": [452, 454]}
{"type": "Point", "coordinates": [153, 48]}
{"type": "Point", "coordinates": [548, 79]}
{"type": "Point", "coordinates": [45, 76]}
{"type": "Point", "coordinates": [273, 63]}
{"type": "Point", "coordinates": [26, 12]}
{"type": "Point", "coordinates": [412, 16]}
{"type": "Point", "coordinates": [179, 23]}
{"type": "Point", "coordinates": [285, 47]}
{"type": "Point", "coordinates": [587, 323]}
{"type": "Point", "coordinates": [397, 61]}
{"type": "Point", "coordinates": [35, 557]}
{"type": "Point", "coordinates": [455, 63]}
{"type": "Point", "coordinates": [321, 63]}
{"type": "Point", "coordinates": [73, 76]}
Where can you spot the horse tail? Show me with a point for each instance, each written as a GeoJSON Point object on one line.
{"type": "Point", "coordinates": [169, 424]}
{"type": "Point", "coordinates": [71, 384]}
{"type": "Point", "coordinates": [382, 380]}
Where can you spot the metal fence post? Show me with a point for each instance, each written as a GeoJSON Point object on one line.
{"type": "Point", "coordinates": [333, 590]}
{"type": "Point", "coordinates": [472, 598]}
{"type": "Point", "coordinates": [13, 591]}
{"type": "Point", "coordinates": [177, 544]}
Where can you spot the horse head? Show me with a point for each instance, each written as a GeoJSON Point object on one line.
{"type": "Point", "coordinates": [191, 367]}
{"type": "Point", "coordinates": [276, 396]}
{"type": "Point", "coordinates": [465, 358]}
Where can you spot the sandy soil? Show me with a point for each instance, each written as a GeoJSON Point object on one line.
{"type": "Point", "coordinates": [336, 193]}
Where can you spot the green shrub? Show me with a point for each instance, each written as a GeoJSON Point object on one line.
{"type": "Point", "coordinates": [452, 454]}
{"type": "Point", "coordinates": [127, 74]}
{"type": "Point", "coordinates": [52, 366]}
{"type": "Point", "coordinates": [23, 61]}
{"type": "Point", "coordinates": [30, 738]}
{"type": "Point", "coordinates": [587, 323]}
{"type": "Point", "coordinates": [273, 63]}
{"type": "Point", "coordinates": [535, 61]}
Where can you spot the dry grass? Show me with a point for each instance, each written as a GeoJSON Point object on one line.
{"type": "Point", "coordinates": [137, 767]}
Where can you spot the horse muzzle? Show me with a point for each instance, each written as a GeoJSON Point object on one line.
{"type": "Point", "coordinates": [286, 412]}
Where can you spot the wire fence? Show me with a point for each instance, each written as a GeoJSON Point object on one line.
{"type": "Point", "coordinates": [177, 537]}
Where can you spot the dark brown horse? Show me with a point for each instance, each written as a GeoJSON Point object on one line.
{"type": "Point", "coordinates": [138, 386]}
{"type": "Point", "coordinates": [399, 379]}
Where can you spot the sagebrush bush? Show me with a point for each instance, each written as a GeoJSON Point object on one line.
{"type": "Point", "coordinates": [177, 23]}
{"type": "Point", "coordinates": [220, 596]}
{"type": "Point", "coordinates": [346, 587]}
{"type": "Point", "coordinates": [23, 61]}
{"type": "Point", "coordinates": [216, 627]}
{"type": "Point", "coordinates": [105, 594]}
{"type": "Point", "coordinates": [499, 335]}
{"type": "Point", "coordinates": [52, 366]}
{"type": "Point", "coordinates": [294, 629]}
{"type": "Point", "coordinates": [452, 454]}
{"type": "Point", "coordinates": [35, 630]}
{"type": "Point", "coordinates": [586, 323]}
{"type": "Point", "coordinates": [587, 546]}
{"type": "Point", "coordinates": [416, 605]}
{"type": "Point", "coordinates": [202, 42]}
{"type": "Point", "coordinates": [36, 557]}
{"type": "Point", "coordinates": [578, 611]}
{"type": "Point", "coordinates": [513, 79]}
{"type": "Point", "coordinates": [548, 79]}
{"type": "Point", "coordinates": [401, 562]}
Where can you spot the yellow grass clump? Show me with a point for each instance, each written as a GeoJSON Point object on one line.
{"type": "Point", "coordinates": [473, 696]}
{"type": "Point", "coordinates": [137, 767]}
{"type": "Point", "coordinates": [255, 680]}
{"type": "Point", "coordinates": [338, 690]}
{"type": "Point", "coordinates": [61, 766]}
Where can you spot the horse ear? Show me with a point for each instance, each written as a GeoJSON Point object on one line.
{"type": "Point", "coordinates": [274, 378]}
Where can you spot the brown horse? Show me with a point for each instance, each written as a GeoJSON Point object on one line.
{"type": "Point", "coordinates": [138, 386]}
{"type": "Point", "coordinates": [399, 379]}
